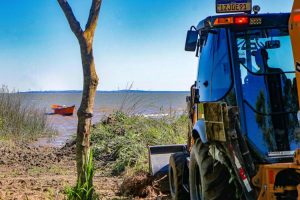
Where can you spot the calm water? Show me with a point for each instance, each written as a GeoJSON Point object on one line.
{"type": "Point", "coordinates": [144, 103]}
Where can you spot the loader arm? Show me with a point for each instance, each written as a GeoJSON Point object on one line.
{"type": "Point", "coordinates": [294, 29]}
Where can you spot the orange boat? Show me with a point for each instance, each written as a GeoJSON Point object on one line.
{"type": "Point", "coordinates": [63, 110]}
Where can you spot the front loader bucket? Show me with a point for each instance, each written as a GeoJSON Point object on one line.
{"type": "Point", "coordinates": [159, 157]}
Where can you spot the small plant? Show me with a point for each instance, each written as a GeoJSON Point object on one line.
{"type": "Point", "coordinates": [84, 191]}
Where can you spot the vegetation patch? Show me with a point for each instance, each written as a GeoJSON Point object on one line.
{"type": "Point", "coordinates": [19, 120]}
{"type": "Point", "coordinates": [120, 142]}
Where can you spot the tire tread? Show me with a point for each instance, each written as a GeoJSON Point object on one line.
{"type": "Point", "coordinates": [214, 175]}
{"type": "Point", "coordinates": [178, 162]}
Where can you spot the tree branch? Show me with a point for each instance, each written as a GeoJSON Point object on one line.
{"type": "Point", "coordinates": [74, 24]}
{"type": "Point", "coordinates": [93, 16]}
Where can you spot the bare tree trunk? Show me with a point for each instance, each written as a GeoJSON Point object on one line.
{"type": "Point", "coordinates": [85, 112]}
{"type": "Point", "coordinates": [90, 83]}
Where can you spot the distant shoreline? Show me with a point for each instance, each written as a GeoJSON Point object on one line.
{"type": "Point", "coordinates": [99, 91]}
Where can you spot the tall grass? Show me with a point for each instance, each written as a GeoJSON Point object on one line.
{"type": "Point", "coordinates": [132, 103]}
{"type": "Point", "coordinates": [20, 120]}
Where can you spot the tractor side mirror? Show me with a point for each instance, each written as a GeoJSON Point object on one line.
{"type": "Point", "coordinates": [191, 40]}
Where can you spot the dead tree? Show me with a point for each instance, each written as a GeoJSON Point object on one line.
{"type": "Point", "coordinates": [90, 83]}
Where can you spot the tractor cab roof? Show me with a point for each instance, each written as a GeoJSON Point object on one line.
{"type": "Point", "coordinates": [244, 21]}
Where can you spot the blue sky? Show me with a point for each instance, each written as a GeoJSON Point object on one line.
{"type": "Point", "coordinates": [137, 41]}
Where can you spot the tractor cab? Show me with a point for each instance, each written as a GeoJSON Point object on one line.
{"type": "Point", "coordinates": [246, 60]}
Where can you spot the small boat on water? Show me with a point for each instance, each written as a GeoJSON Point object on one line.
{"type": "Point", "coordinates": [63, 110]}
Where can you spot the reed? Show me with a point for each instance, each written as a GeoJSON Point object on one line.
{"type": "Point", "coordinates": [21, 120]}
{"type": "Point", "coordinates": [132, 103]}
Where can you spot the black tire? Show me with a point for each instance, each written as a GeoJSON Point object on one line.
{"type": "Point", "coordinates": [209, 179]}
{"type": "Point", "coordinates": [177, 164]}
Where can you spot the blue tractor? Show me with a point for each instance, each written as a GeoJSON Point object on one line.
{"type": "Point", "coordinates": [244, 130]}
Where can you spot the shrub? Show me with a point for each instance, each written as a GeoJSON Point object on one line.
{"type": "Point", "coordinates": [121, 141]}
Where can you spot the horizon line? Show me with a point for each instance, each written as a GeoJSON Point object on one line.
{"type": "Point", "coordinates": [78, 91]}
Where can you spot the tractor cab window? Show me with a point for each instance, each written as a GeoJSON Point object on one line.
{"type": "Point", "coordinates": [273, 44]}
{"type": "Point", "coordinates": [269, 88]}
{"type": "Point", "coordinates": [214, 73]}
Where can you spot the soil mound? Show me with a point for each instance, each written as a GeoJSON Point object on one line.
{"type": "Point", "coordinates": [143, 185]}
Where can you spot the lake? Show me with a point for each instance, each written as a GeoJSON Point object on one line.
{"type": "Point", "coordinates": [149, 104]}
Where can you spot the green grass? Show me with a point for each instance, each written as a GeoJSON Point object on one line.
{"type": "Point", "coordinates": [84, 191]}
{"type": "Point", "coordinates": [121, 142]}
{"type": "Point", "coordinates": [19, 120]}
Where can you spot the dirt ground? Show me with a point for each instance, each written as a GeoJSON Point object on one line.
{"type": "Point", "coordinates": [32, 173]}
{"type": "Point", "coordinates": [44, 173]}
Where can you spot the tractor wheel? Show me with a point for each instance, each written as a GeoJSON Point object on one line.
{"type": "Point", "coordinates": [209, 179]}
{"type": "Point", "coordinates": [177, 164]}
